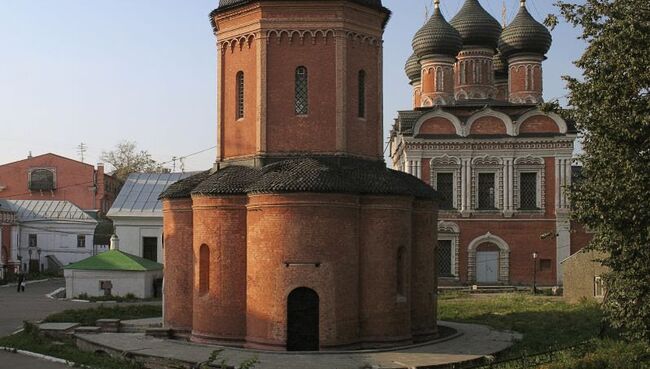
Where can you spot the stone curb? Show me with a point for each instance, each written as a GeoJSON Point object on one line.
{"type": "Point", "coordinates": [42, 357]}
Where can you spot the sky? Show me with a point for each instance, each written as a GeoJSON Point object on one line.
{"type": "Point", "coordinates": [104, 71]}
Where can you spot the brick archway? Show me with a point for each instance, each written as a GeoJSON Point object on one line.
{"type": "Point", "coordinates": [504, 256]}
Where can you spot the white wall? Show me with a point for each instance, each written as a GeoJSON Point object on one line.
{"type": "Point", "coordinates": [58, 239]}
{"type": "Point", "coordinates": [131, 231]}
{"type": "Point", "coordinates": [140, 284]}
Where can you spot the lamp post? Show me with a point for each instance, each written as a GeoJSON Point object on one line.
{"type": "Point", "coordinates": [535, 255]}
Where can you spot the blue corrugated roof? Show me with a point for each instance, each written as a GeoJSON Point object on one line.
{"type": "Point", "coordinates": [139, 195]}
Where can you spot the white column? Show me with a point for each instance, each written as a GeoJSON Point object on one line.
{"type": "Point", "coordinates": [511, 171]}
{"type": "Point", "coordinates": [558, 190]}
{"type": "Point", "coordinates": [463, 185]}
{"type": "Point", "coordinates": [567, 181]}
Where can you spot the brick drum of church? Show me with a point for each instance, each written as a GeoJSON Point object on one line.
{"type": "Point", "coordinates": [300, 238]}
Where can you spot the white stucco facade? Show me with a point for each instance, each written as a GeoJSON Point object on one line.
{"type": "Point", "coordinates": [138, 283]}
{"type": "Point", "coordinates": [57, 239]}
{"type": "Point", "coordinates": [132, 232]}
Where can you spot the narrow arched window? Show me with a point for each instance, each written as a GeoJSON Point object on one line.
{"type": "Point", "coordinates": [240, 95]}
{"type": "Point", "coordinates": [302, 91]}
{"type": "Point", "coordinates": [204, 269]}
{"type": "Point", "coordinates": [440, 82]}
{"type": "Point", "coordinates": [362, 94]}
{"type": "Point", "coordinates": [400, 280]}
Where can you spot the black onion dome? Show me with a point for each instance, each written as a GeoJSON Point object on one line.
{"type": "Point", "coordinates": [476, 26]}
{"type": "Point", "coordinates": [227, 4]}
{"type": "Point", "coordinates": [437, 36]}
{"type": "Point", "coordinates": [413, 68]}
{"type": "Point", "coordinates": [499, 65]}
{"type": "Point", "coordinates": [525, 35]}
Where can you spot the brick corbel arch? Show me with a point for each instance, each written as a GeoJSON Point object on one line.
{"type": "Point", "coordinates": [510, 129]}
{"type": "Point", "coordinates": [504, 257]}
{"type": "Point", "coordinates": [438, 114]}
{"type": "Point", "coordinates": [559, 121]}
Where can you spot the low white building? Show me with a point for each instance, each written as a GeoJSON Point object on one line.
{"type": "Point", "coordinates": [50, 234]}
{"type": "Point", "coordinates": [113, 273]}
{"type": "Point", "coordinates": [137, 213]}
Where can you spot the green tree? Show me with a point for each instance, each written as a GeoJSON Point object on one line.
{"type": "Point", "coordinates": [126, 159]}
{"type": "Point", "coordinates": [611, 107]}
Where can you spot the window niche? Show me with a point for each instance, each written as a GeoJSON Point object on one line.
{"type": "Point", "coordinates": [42, 179]}
{"type": "Point", "coordinates": [362, 94]}
{"type": "Point", "coordinates": [528, 186]}
{"type": "Point", "coordinates": [445, 178]}
{"type": "Point", "coordinates": [302, 91]}
{"type": "Point", "coordinates": [487, 183]}
{"type": "Point", "coordinates": [240, 95]}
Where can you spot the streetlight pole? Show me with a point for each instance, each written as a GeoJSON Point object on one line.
{"type": "Point", "coordinates": [535, 255]}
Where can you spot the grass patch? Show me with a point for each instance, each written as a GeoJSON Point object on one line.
{"type": "Point", "coordinates": [126, 298]}
{"type": "Point", "coordinates": [606, 354]}
{"type": "Point", "coordinates": [545, 322]}
{"type": "Point", "coordinates": [88, 317]}
{"type": "Point", "coordinates": [65, 349]}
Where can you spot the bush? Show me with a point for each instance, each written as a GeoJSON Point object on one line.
{"type": "Point", "coordinates": [607, 354]}
{"type": "Point", "coordinates": [88, 317]}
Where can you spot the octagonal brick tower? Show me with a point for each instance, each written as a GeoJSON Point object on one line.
{"type": "Point", "coordinates": [299, 77]}
{"type": "Point", "coordinates": [300, 238]}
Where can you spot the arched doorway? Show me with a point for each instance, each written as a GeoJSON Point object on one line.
{"type": "Point", "coordinates": [303, 320]}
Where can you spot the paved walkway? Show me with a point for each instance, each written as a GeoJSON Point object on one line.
{"type": "Point", "coordinates": [474, 342]}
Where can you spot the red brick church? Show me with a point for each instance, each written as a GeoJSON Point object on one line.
{"type": "Point", "coordinates": [300, 238]}
{"type": "Point", "coordinates": [475, 133]}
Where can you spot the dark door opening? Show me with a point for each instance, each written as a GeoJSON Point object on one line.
{"type": "Point", "coordinates": [303, 320]}
{"type": "Point", "coordinates": [150, 248]}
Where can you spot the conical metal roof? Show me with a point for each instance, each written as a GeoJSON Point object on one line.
{"type": "Point", "coordinates": [525, 35]}
{"type": "Point", "coordinates": [476, 26]}
{"type": "Point", "coordinates": [437, 37]}
{"type": "Point", "coordinates": [413, 68]}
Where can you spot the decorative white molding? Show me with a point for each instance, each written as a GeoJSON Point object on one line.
{"type": "Point", "coordinates": [444, 161]}
{"type": "Point", "coordinates": [438, 113]}
{"type": "Point", "coordinates": [448, 227]}
{"type": "Point", "coordinates": [529, 160]}
{"type": "Point", "coordinates": [487, 160]}
{"type": "Point", "coordinates": [504, 256]}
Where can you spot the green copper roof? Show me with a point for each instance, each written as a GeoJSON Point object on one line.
{"type": "Point", "coordinates": [524, 35]}
{"type": "Point", "coordinates": [116, 260]}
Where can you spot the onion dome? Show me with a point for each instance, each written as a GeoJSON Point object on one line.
{"type": "Point", "coordinates": [499, 65]}
{"type": "Point", "coordinates": [437, 37]}
{"type": "Point", "coordinates": [524, 35]}
{"type": "Point", "coordinates": [413, 68]}
{"type": "Point", "coordinates": [476, 26]}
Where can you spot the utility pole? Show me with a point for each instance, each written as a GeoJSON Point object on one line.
{"type": "Point", "coordinates": [81, 150]}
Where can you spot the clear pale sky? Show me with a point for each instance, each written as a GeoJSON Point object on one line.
{"type": "Point", "coordinates": [104, 71]}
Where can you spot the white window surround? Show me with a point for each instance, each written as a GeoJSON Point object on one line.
{"type": "Point", "coordinates": [447, 164]}
{"type": "Point", "coordinates": [450, 231]}
{"type": "Point", "coordinates": [487, 164]}
{"type": "Point", "coordinates": [529, 164]}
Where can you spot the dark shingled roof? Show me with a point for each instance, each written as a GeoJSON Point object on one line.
{"type": "Point", "coordinates": [306, 174]}
{"type": "Point", "coordinates": [476, 26]}
{"type": "Point", "coordinates": [525, 35]}
{"type": "Point", "coordinates": [413, 69]}
{"type": "Point", "coordinates": [437, 37]}
{"type": "Point", "coordinates": [183, 188]}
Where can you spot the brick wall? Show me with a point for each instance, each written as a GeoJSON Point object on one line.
{"type": "Point", "coordinates": [75, 182]}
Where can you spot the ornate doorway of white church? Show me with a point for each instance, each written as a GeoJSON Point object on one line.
{"type": "Point", "coordinates": [303, 320]}
{"type": "Point", "coordinates": [487, 266]}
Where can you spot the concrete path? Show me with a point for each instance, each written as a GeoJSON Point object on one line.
{"type": "Point", "coordinates": [475, 342]}
{"type": "Point", "coordinates": [17, 361]}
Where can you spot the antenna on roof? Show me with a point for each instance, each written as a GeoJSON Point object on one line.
{"type": "Point", "coordinates": [504, 14]}
{"type": "Point", "coordinates": [29, 156]}
{"type": "Point", "coordinates": [426, 13]}
{"type": "Point", "coordinates": [81, 150]}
